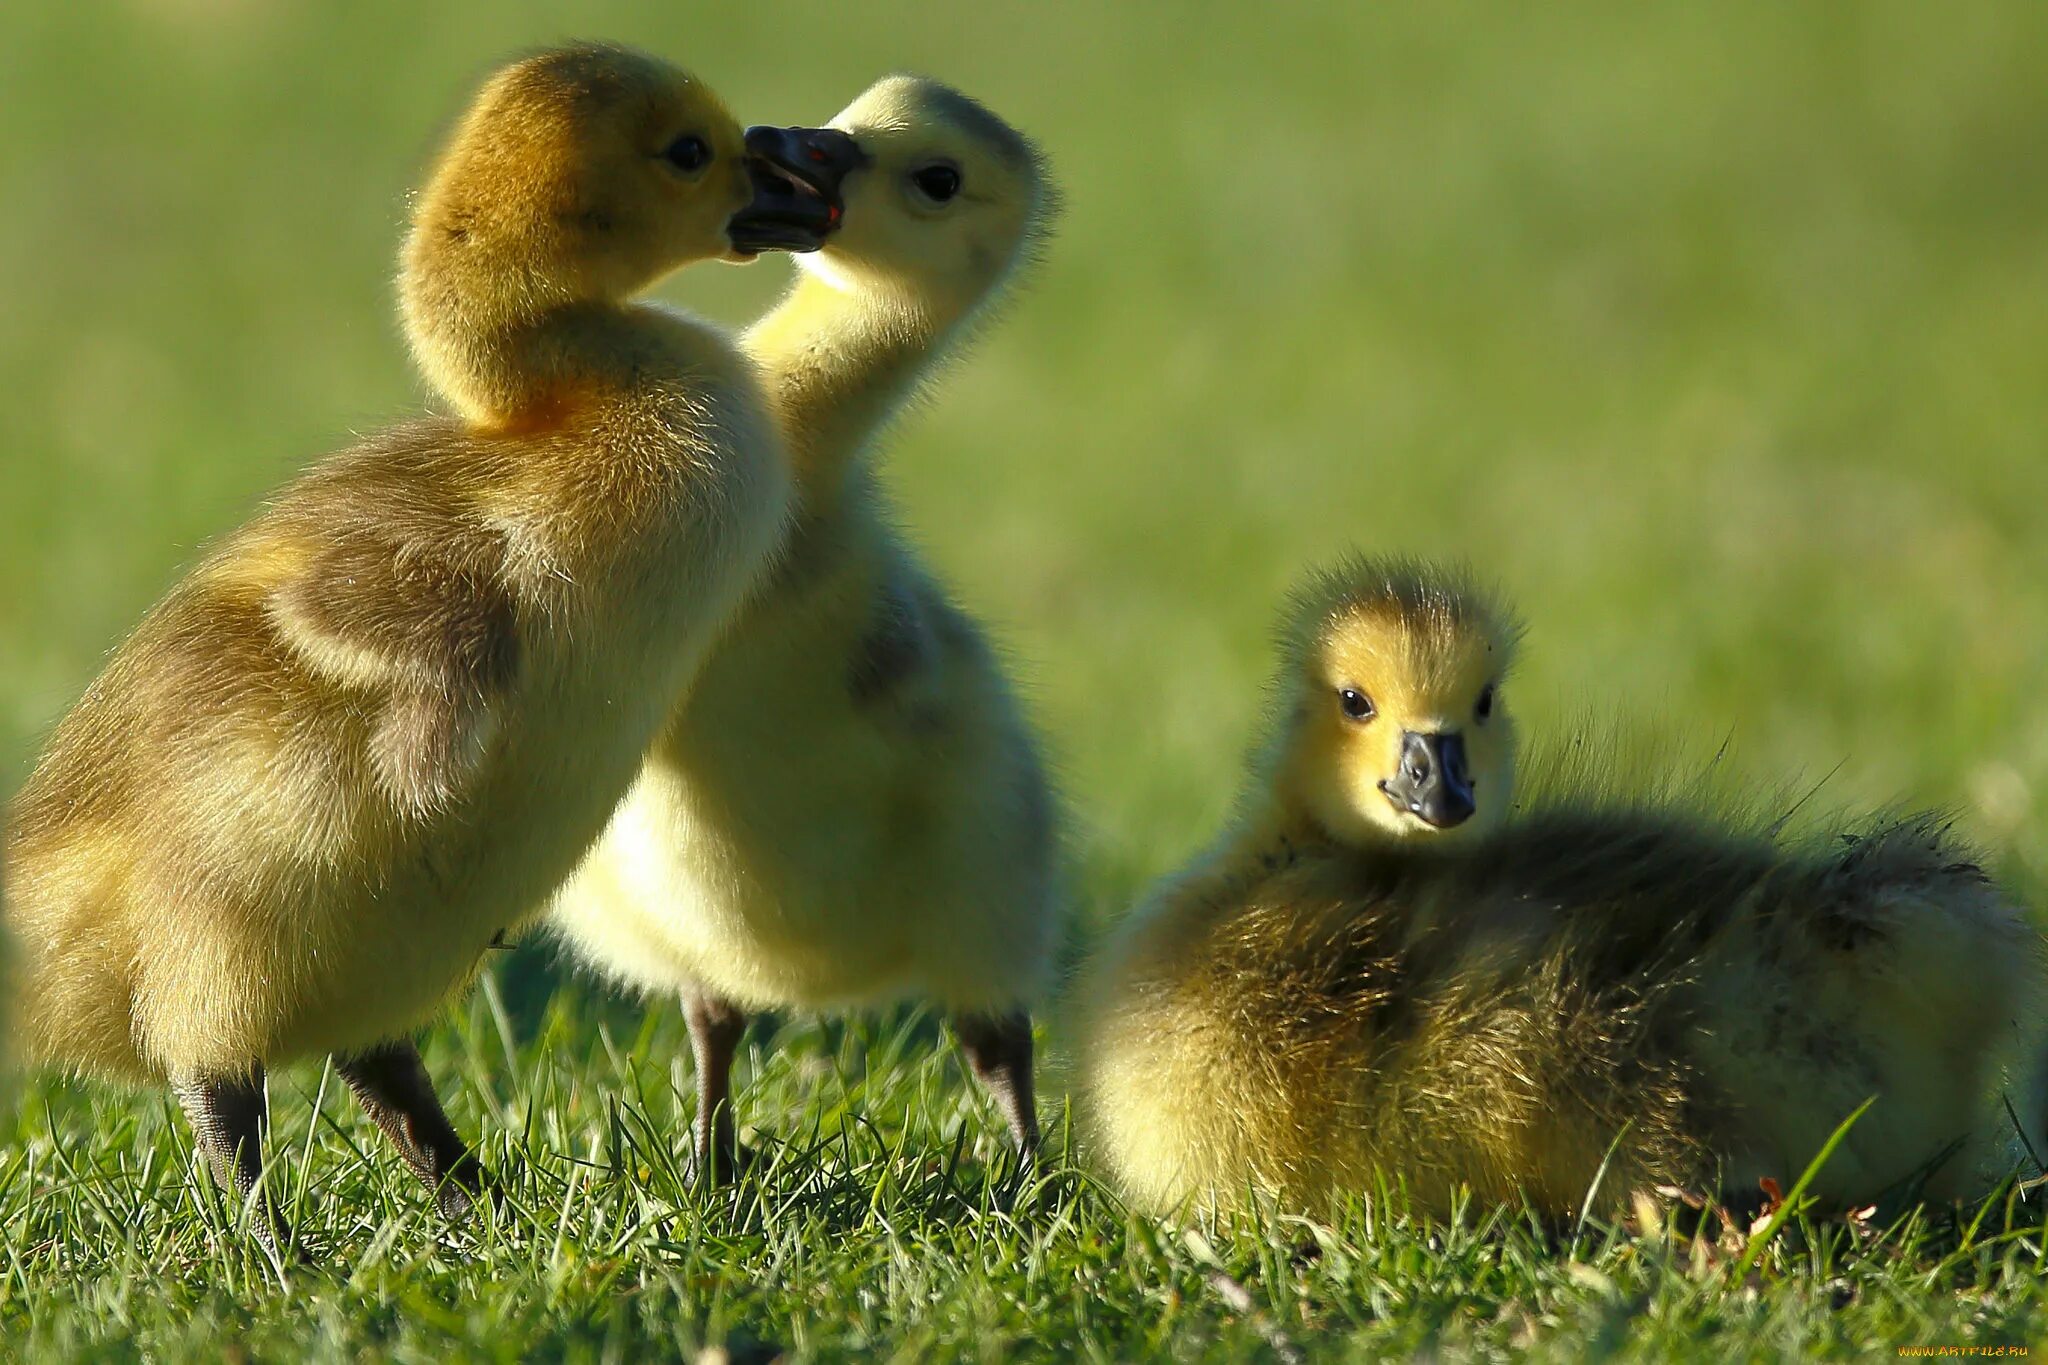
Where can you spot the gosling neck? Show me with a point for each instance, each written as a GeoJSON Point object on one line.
{"type": "Point", "coordinates": [509, 348]}
{"type": "Point", "coordinates": [839, 358]}
{"type": "Point", "coordinates": [1274, 825]}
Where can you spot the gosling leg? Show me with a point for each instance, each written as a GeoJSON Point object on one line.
{"type": "Point", "coordinates": [998, 1048]}
{"type": "Point", "coordinates": [716, 1027]}
{"type": "Point", "coordinates": [391, 1083]}
{"type": "Point", "coordinates": [229, 1117]}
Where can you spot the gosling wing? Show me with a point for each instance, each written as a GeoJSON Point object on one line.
{"type": "Point", "coordinates": [430, 629]}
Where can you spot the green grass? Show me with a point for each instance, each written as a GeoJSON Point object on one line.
{"type": "Point", "coordinates": [1714, 333]}
{"type": "Point", "coordinates": [887, 1222]}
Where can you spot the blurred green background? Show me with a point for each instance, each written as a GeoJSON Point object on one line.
{"type": "Point", "coordinates": [1717, 334]}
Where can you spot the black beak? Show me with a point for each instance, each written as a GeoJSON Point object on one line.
{"type": "Point", "coordinates": [1432, 782]}
{"type": "Point", "coordinates": [797, 175]}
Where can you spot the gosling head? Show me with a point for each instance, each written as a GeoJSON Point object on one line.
{"type": "Point", "coordinates": [941, 199]}
{"type": "Point", "coordinates": [1392, 721]}
{"type": "Point", "coordinates": [577, 174]}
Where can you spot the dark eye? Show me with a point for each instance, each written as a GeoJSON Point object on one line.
{"type": "Point", "coordinates": [1485, 706]}
{"type": "Point", "coordinates": [1357, 706]}
{"type": "Point", "coordinates": [688, 153]}
{"type": "Point", "coordinates": [937, 182]}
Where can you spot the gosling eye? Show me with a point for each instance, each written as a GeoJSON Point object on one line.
{"type": "Point", "coordinates": [1485, 705]}
{"type": "Point", "coordinates": [1357, 706]}
{"type": "Point", "coordinates": [938, 182]}
{"type": "Point", "coordinates": [688, 153]}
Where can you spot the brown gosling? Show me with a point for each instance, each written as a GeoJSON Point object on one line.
{"type": "Point", "coordinates": [376, 725]}
{"type": "Point", "coordinates": [1371, 977]}
{"type": "Point", "coordinates": [848, 808]}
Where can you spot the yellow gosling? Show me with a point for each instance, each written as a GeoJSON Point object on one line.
{"type": "Point", "coordinates": [848, 808]}
{"type": "Point", "coordinates": [1370, 976]}
{"type": "Point", "coordinates": [375, 726]}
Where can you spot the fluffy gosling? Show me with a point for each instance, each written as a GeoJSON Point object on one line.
{"type": "Point", "coordinates": [375, 726]}
{"type": "Point", "coordinates": [848, 808]}
{"type": "Point", "coordinates": [1371, 976]}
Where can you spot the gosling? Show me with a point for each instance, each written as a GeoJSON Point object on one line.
{"type": "Point", "coordinates": [848, 808]}
{"type": "Point", "coordinates": [1371, 976]}
{"type": "Point", "coordinates": [375, 726]}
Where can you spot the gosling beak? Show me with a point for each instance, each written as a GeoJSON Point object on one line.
{"type": "Point", "coordinates": [1432, 783]}
{"type": "Point", "coordinates": [797, 174]}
